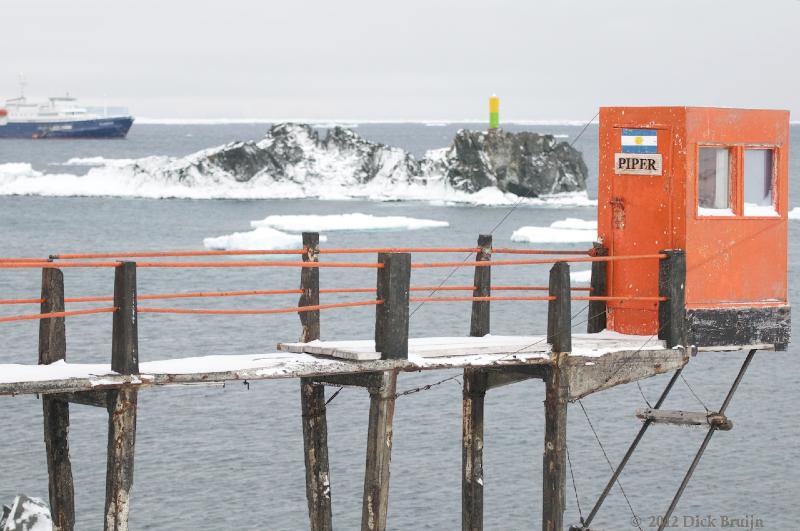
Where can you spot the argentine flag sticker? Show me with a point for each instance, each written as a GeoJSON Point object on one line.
{"type": "Point", "coordinates": [639, 141]}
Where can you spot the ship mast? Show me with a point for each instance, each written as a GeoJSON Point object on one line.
{"type": "Point", "coordinates": [22, 84]}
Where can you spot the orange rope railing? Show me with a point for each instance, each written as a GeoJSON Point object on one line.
{"type": "Point", "coordinates": [298, 309]}
{"type": "Point", "coordinates": [620, 298]}
{"type": "Point", "coordinates": [21, 301]}
{"type": "Point", "coordinates": [254, 263]}
{"type": "Point", "coordinates": [52, 315]}
{"type": "Point", "coordinates": [23, 260]}
{"type": "Point", "coordinates": [511, 250]}
{"type": "Point", "coordinates": [161, 254]}
{"type": "Point", "coordinates": [490, 263]}
{"type": "Point", "coordinates": [481, 299]}
{"type": "Point", "coordinates": [53, 265]}
{"type": "Point", "coordinates": [241, 252]}
{"type": "Point", "coordinates": [294, 291]}
{"type": "Point", "coordinates": [191, 295]}
{"type": "Point", "coordinates": [371, 250]}
{"type": "Point", "coordinates": [534, 288]}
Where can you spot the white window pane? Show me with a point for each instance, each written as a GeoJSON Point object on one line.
{"type": "Point", "coordinates": [713, 176]}
{"type": "Point", "coordinates": [758, 188]}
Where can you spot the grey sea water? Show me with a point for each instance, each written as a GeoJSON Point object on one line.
{"type": "Point", "coordinates": [232, 458]}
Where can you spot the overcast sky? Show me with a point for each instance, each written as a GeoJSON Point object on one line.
{"type": "Point", "coordinates": [409, 59]}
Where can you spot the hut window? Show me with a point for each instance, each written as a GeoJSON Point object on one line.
{"type": "Point", "coordinates": [759, 188]}
{"type": "Point", "coordinates": [713, 190]}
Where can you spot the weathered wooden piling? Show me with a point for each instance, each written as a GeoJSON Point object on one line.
{"type": "Point", "coordinates": [53, 347]}
{"type": "Point", "coordinates": [475, 387]}
{"type": "Point", "coordinates": [598, 288]}
{"type": "Point", "coordinates": [312, 400]}
{"type": "Point", "coordinates": [122, 402]}
{"type": "Point", "coordinates": [474, 393]}
{"type": "Point", "coordinates": [379, 453]}
{"type": "Point", "coordinates": [315, 443]}
{"type": "Point", "coordinates": [554, 461]}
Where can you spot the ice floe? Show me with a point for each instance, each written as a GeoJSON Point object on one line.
{"type": "Point", "coordinates": [581, 277]}
{"type": "Point", "coordinates": [262, 238]}
{"type": "Point", "coordinates": [345, 222]}
{"type": "Point", "coordinates": [794, 213]}
{"type": "Point", "coordinates": [570, 230]}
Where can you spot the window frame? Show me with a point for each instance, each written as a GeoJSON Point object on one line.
{"type": "Point", "coordinates": [733, 198]}
{"type": "Point", "coordinates": [736, 179]}
{"type": "Point", "coordinates": [774, 179]}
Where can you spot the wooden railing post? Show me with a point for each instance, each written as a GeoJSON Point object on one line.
{"type": "Point", "coordinates": [474, 393]}
{"type": "Point", "coordinates": [53, 347]}
{"type": "Point", "coordinates": [480, 321]}
{"type": "Point", "coordinates": [559, 318]}
{"type": "Point", "coordinates": [672, 285]}
{"type": "Point", "coordinates": [391, 317]}
{"type": "Point", "coordinates": [312, 400]}
{"type": "Point", "coordinates": [309, 283]}
{"type": "Point", "coordinates": [122, 402]}
{"type": "Point", "coordinates": [597, 309]}
{"type": "Point", "coordinates": [125, 336]}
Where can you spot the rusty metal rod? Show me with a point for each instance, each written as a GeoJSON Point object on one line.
{"type": "Point", "coordinates": [702, 449]}
{"type": "Point", "coordinates": [585, 524]}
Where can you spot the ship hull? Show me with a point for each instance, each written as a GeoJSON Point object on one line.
{"type": "Point", "coordinates": [116, 127]}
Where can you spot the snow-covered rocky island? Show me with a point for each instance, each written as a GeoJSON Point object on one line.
{"type": "Point", "coordinates": [297, 157]}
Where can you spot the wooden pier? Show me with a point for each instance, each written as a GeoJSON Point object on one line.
{"type": "Point", "coordinates": [571, 365]}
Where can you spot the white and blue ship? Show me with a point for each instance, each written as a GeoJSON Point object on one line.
{"type": "Point", "coordinates": [59, 117]}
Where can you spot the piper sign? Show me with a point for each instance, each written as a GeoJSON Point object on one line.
{"type": "Point", "coordinates": [640, 154]}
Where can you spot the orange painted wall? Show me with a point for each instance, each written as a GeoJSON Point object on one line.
{"type": "Point", "coordinates": [730, 260]}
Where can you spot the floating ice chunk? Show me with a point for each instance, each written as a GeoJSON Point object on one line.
{"type": "Point", "coordinates": [340, 222]}
{"type": "Point", "coordinates": [575, 223]}
{"type": "Point", "coordinates": [262, 238]}
{"type": "Point", "coordinates": [570, 230]}
{"type": "Point", "coordinates": [794, 213]}
{"type": "Point", "coordinates": [581, 277]}
{"type": "Point", "coordinates": [552, 235]}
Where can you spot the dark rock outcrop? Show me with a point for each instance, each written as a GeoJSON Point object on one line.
{"type": "Point", "coordinates": [527, 164]}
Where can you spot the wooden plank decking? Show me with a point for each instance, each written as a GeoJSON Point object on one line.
{"type": "Point", "coordinates": [323, 358]}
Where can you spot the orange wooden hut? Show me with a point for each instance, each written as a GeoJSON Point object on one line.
{"type": "Point", "coordinates": [714, 183]}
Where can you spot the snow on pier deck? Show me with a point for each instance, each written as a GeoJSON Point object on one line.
{"type": "Point", "coordinates": [324, 358]}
